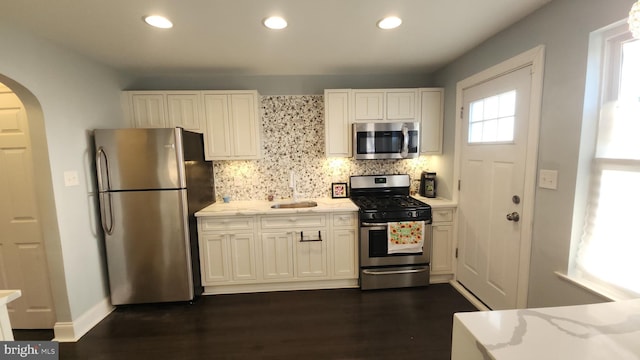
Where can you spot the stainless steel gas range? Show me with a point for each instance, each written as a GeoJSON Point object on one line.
{"type": "Point", "coordinates": [395, 232]}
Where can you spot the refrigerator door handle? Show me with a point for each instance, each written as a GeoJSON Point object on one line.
{"type": "Point", "coordinates": [100, 154]}
{"type": "Point", "coordinates": [108, 229]}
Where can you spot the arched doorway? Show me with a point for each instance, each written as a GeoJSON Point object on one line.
{"type": "Point", "coordinates": [30, 256]}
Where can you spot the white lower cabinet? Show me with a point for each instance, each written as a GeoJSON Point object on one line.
{"type": "Point", "coordinates": [442, 252]}
{"type": "Point", "coordinates": [261, 253]}
{"type": "Point", "coordinates": [227, 250]}
{"type": "Point", "coordinates": [214, 258]}
{"type": "Point", "coordinates": [344, 253]}
{"type": "Point", "coordinates": [311, 253]}
{"type": "Point", "coordinates": [277, 255]}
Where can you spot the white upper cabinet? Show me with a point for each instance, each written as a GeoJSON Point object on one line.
{"type": "Point", "coordinates": [183, 110]}
{"type": "Point", "coordinates": [431, 120]}
{"type": "Point", "coordinates": [148, 110]}
{"type": "Point", "coordinates": [402, 105]}
{"type": "Point", "coordinates": [232, 125]}
{"type": "Point", "coordinates": [343, 107]}
{"type": "Point", "coordinates": [386, 105]}
{"type": "Point", "coordinates": [336, 122]}
{"type": "Point", "coordinates": [229, 120]}
{"type": "Point", "coordinates": [369, 104]}
{"type": "Point", "coordinates": [162, 109]}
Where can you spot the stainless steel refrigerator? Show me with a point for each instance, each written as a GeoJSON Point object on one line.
{"type": "Point", "coordinates": [150, 184]}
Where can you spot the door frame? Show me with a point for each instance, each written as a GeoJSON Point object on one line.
{"type": "Point", "coordinates": [534, 58]}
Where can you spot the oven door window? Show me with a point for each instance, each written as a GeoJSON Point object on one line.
{"type": "Point", "coordinates": [378, 243]}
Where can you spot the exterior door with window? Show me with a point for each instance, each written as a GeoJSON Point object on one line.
{"type": "Point", "coordinates": [492, 179]}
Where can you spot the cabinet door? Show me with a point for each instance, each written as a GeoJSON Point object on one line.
{"type": "Point", "coordinates": [148, 110]}
{"type": "Point", "coordinates": [214, 255]}
{"type": "Point", "coordinates": [277, 255]}
{"type": "Point", "coordinates": [402, 105]}
{"type": "Point", "coordinates": [217, 122]}
{"type": "Point", "coordinates": [311, 253]}
{"type": "Point", "coordinates": [442, 249]}
{"type": "Point", "coordinates": [345, 255]}
{"type": "Point", "coordinates": [337, 124]}
{"type": "Point", "coordinates": [431, 121]}
{"type": "Point", "coordinates": [244, 125]}
{"type": "Point", "coordinates": [184, 111]}
{"type": "Point", "coordinates": [369, 105]}
{"type": "Point", "coordinates": [243, 261]}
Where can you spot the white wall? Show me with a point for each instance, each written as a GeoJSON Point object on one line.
{"type": "Point", "coordinates": [65, 95]}
{"type": "Point", "coordinates": [563, 26]}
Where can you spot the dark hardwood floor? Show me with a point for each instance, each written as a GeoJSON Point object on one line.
{"type": "Point", "coordinates": [403, 324]}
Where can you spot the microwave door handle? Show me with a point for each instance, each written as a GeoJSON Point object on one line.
{"type": "Point", "coordinates": [405, 141]}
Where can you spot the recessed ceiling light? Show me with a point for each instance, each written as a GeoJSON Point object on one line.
{"type": "Point", "coordinates": [158, 21]}
{"type": "Point", "coordinates": [390, 22]}
{"type": "Point", "coordinates": [275, 23]}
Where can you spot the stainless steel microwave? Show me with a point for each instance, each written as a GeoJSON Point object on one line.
{"type": "Point", "coordinates": [396, 140]}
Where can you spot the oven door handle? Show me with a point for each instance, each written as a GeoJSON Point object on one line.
{"type": "Point", "coordinates": [394, 272]}
{"type": "Point", "coordinates": [373, 226]}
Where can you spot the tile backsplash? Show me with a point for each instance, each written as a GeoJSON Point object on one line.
{"type": "Point", "coordinates": [293, 141]}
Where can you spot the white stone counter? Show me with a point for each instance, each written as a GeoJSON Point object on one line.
{"type": "Point", "coordinates": [587, 332]}
{"type": "Point", "coordinates": [262, 207]}
{"type": "Point", "coordinates": [436, 202]}
{"type": "Point", "coordinates": [6, 296]}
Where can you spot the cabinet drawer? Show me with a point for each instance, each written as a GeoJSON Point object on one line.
{"type": "Point", "coordinates": [346, 219]}
{"type": "Point", "coordinates": [224, 223]}
{"type": "Point", "coordinates": [272, 222]}
{"type": "Point", "coordinates": [442, 215]}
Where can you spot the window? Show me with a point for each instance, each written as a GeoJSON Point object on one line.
{"type": "Point", "coordinates": [609, 248]}
{"type": "Point", "coordinates": [491, 119]}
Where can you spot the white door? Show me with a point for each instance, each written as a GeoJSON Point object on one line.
{"type": "Point", "coordinates": [23, 262]}
{"type": "Point", "coordinates": [492, 186]}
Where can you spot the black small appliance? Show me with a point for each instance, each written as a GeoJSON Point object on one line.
{"type": "Point", "coordinates": [427, 184]}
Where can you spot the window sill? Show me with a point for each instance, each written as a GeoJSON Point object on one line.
{"type": "Point", "coordinates": [593, 288]}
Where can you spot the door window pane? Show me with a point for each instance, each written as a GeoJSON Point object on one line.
{"type": "Point", "coordinates": [492, 119]}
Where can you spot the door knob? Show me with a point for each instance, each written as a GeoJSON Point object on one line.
{"type": "Point", "coordinates": [514, 216]}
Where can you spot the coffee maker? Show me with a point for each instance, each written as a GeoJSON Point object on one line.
{"type": "Point", "coordinates": [427, 184]}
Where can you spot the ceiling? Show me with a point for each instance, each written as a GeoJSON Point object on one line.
{"type": "Point", "coordinates": [227, 37]}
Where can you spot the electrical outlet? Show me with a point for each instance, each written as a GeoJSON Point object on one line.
{"type": "Point", "coordinates": [548, 179]}
{"type": "Point", "coordinates": [71, 178]}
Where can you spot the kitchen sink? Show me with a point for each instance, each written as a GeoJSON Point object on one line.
{"type": "Point", "coordinates": [295, 205]}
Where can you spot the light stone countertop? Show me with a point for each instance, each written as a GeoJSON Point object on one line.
{"type": "Point", "coordinates": [7, 296]}
{"type": "Point", "coordinates": [263, 207]}
{"type": "Point", "coordinates": [436, 202]}
{"type": "Point", "coordinates": [597, 331]}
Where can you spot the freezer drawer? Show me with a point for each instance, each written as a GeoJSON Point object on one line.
{"type": "Point", "coordinates": [147, 247]}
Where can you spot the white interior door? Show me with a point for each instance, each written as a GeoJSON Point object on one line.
{"type": "Point", "coordinates": [494, 145]}
{"type": "Point", "coordinates": [23, 262]}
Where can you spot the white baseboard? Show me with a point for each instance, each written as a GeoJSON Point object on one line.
{"type": "Point", "coordinates": [73, 331]}
{"type": "Point", "coordinates": [281, 286]}
{"type": "Point", "coordinates": [469, 296]}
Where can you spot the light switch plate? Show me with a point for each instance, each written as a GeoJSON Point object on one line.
{"type": "Point", "coordinates": [548, 179]}
{"type": "Point", "coordinates": [71, 178]}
